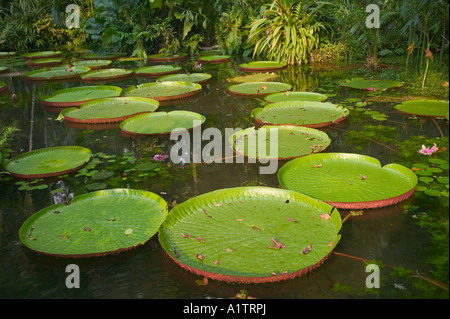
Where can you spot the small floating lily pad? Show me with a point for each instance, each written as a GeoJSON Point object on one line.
{"type": "Point", "coordinates": [3, 88]}
{"type": "Point", "coordinates": [250, 234]}
{"type": "Point", "coordinates": [433, 108]}
{"type": "Point", "coordinates": [296, 96]}
{"type": "Point", "coordinates": [110, 110]}
{"type": "Point", "coordinates": [56, 73]}
{"type": "Point", "coordinates": [262, 66]}
{"type": "Point", "coordinates": [41, 55]}
{"type": "Point", "coordinates": [156, 70]}
{"type": "Point", "coordinates": [78, 95]}
{"type": "Point", "coordinates": [95, 224]}
{"type": "Point", "coordinates": [161, 122]}
{"type": "Point", "coordinates": [161, 57]}
{"type": "Point", "coordinates": [349, 181]}
{"type": "Point", "coordinates": [164, 91]}
{"type": "Point", "coordinates": [48, 162]}
{"type": "Point", "coordinates": [200, 78]}
{"type": "Point", "coordinates": [106, 56]}
{"type": "Point", "coordinates": [214, 58]}
{"type": "Point", "coordinates": [255, 77]}
{"type": "Point", "coordinates": [107, 74]}
{"type": "Point", "coordinates": [47, 62]}
{"type": "Point", "coordinates": [257, 89]}
{"type": "Point", "coordinates": [279, 142]}
{"type": "Point", "coordinates": [302, 113]}
{"type": "Point", "coordinates": [371, 85]}
{"type": "Point", "coordinates": [93, 64]}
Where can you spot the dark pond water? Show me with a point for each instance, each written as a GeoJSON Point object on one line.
{"type": "Point", "coordinates": [389, 235]}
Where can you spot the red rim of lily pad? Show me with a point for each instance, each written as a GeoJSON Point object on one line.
{"type": "Point", "coordinates": [3, 89]}
{"type": "Point", "coordinates": [54, 78]}
{"type": "Point", "coordinates": [214, 59]}
{"type": "Point", "coordinates": [46, 54]}
{"type": "Point", "coordinates": [162, 58]}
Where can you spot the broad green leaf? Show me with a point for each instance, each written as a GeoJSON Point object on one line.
{"type": "Point", "coordinates": [296, 96]}
{"type": "Point", "coordinates": [164, 91]}
{"type": "Point", "coordinates": [424, 107]}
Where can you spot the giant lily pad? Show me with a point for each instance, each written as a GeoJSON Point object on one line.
{"type": "Point", "coordinates": [214, 58]}
{"type": "Point", "coordinates": [93, 64]}
{"type": "Point", "coordinates": [200, 78]}
{"type": "Point", "coordinates": [262, 66]}
{"type": "Point", "coordinates": [164, 91]}
{"type": "Point", "coordinates": [7, 54]}
{"type": "Point", "coordinates": [107, 74]}
{"type": "Point", "coordinates": [3, 88]}
{"type": "Point", "coordinates": [105, 56]}
{"type": "Point", "coordinates": [161, 122]}
{"type": "Point", "coordinates": [250, 234]}
{"type": "Point", "coordinates": [110, 110]}
{"type": "Point", "coordinates": [79, 95]}
{"type": "Point", "coordinates": [349, 181]}
{"type": "Point", "coordinates": [41, 55]}
{"type": "Point", "coordinates": [302, 113]}
{"type": "Point", "coordinates": [161, 57]}
{"type": "Point", "coordinates": [289, 142]}
{"type": "Point", "coordinates": [95, 224]}
{"type": "Point", "coordinates": [47, 62]}
{"type": "Point", "coordinates": [258, 89]}
{"type": "Point", "coordinates": [371, 85]}
{"type": "Point", "coordinates": [56, 73]}
{"type": "Point", "coordinates": [296, 96]}
{"type": "Point", "coordinates": [156, 70]}
{"type": "Point", "coordinates": [424, 107]}
{"type": "Point", "coordinates": [48, 162]}
{"type": "Point", "coordinates": [3, 69]}
{"type": "Point", "coordinates": [254, 77]}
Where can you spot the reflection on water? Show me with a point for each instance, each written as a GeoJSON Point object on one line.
{"type": "Point", "coordinates": [386, 234]}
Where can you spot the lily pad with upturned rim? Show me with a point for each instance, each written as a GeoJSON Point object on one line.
{"type": "Point", "coordinates": [156, 70]}
{"type": "Point", "coordinates": [290, 142]}
{"type": "Point", "coordinates": [371, 85]}
{"type": "Point", "coordinates": [107, 74]}
{"type": "Point", "coordinates": [47, 62]}
{"type": "Point", "coordinates": [41, 55]}
{"type": "Point", "coordinates": [7, 54]}
{"type": "Point", "coordinates": [93, 64]}
{"type": "Point", "coordinates": [258, 89]}
{"type": "Point", "coordinates": [48, 162]}
{"type": "Point", "coordinates": [200, 78]}
{"type": "Point", "coordinates": [301, 113]}
{"type": "Point", "coordinates": [161, 123]}
{"type": "Point", "coordinates": [250, 234]}
{"type": "Point", "coordinates": [161, 57]}
{"type": "Point", "coordinates": [78, 95]}
{"type": "Point", "coordinates": [110, 110]}
{"type": "Point", "coordinates": [56, 73]}
{"type": "Point", "coordinates": [214, 58]}
{"type": "Point", "coordinates": [164, 91]}
{"type": "Point", "coordinates": [95, 224]}
{"type": "Point", "coordinates": [3, 69]}
{"type": "Point", "coordinates": [255, 77]}
{"type": "Point", "coordinates": [348, 181]}
{"type": "Point", "coordinates": [433, 108]}
{"type": "Point", "coordinates": [296, 96]}
{"type": "Point", "coordinates": [262, 66]}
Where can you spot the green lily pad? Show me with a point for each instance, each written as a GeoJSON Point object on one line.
{"type": "Point", "coordinates": [258, 89]}
{"type": "Point", "coordinates": [443, 180]}
{"type": "Point", "coordinates": [254, 77]}
{"type": "Point", "coordinates": [295, 96]}
{"type": "Point", "coordinates": [164, 91]}
{"type": "Point", "coordinates": [371, 85]}
{"type": "Point", "coordinates": [95, 224]}
{"type": "Point", "coordinates": [432, 192]}
{"type": "Point", "coordinates": [41, 55]}
{"type": "Point", "coordinates": [156, 70]}
{"type": "Point", "coordinates": [301, 113]}
{"type": "Point", "coordinates": [260, 66]}
{"type": "Point", "coordinates": [47, 62]}
{"type": "Point", "coordinates": [48, 162]}
{"type": "Point", "coordinates": [161, 122]}
{"type": "Point", "coordinates": [200, 78]}
{"type": "Point", "coordinates": [78, 95]}
{"type": "Point", "coordinates": [7, 54]}
{"type": "Point", "coordinates": [106, 56]}
{"type": "Point", "coordinates": [349, 181]}
{"type": "Point", "coordinates": [161, 57]}
{"type": "Point", "coordinates": [250, 234]}
{"type": "Point", "coordinates": [290, 142]}
{"type": "Point", "coordinates": [3, 88]}
{"type": "Point", "coordinates": [107, 74]}
{"type": "Point", "coordinates": [110, 110]}
{"type": "Point", "coordinates": [93, 64]}
{"type": "Point", "coordinates": [424, 107]}
{"type": "Point", "coordinates": [3, 69]}
{"type": "Point", "coordinates": [56, 73]}
{"type": "Point", "coordinates": [214, 58]}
